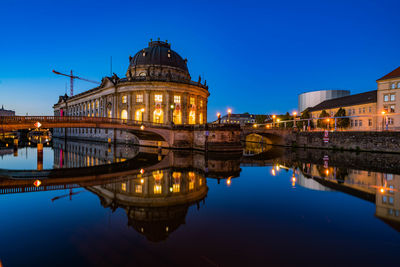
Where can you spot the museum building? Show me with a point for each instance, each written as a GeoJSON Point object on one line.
{"type": "Point", "coordinates": [157, 88]}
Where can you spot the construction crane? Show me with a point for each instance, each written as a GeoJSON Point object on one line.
{"type": "Point", "coordinates": [72, 77]}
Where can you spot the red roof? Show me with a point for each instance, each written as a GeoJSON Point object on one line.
{"type": "Point", "coordinates": [393, 74]}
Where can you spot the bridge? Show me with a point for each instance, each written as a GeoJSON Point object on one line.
{"type": "Point", "coordinates": [212, 137]}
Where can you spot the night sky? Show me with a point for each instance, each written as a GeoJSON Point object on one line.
{"type": "Point", "coordinates": [256, 56]}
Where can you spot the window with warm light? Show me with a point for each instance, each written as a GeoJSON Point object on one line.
{"type": "Point", "coordinates": [97, 104]}
{"type": "Point", "coordinates": [176, 188]}
{"type": "Point", "coordinates": [192, 117]}
{"type": "Point", "coordinates": [177, 99]}
{"type": "Point", "coordinates": [123, 186]}
{"type": "Point", "coordinates": [158, 116]}
{"type": "Point", "coordinates": [201, 103]}
{"type": "Point", "coordinates": [124, 99]}
{"type": "Point", "coordinates": [157, 189]}
{"type": "Point", "coordinates": [158, 98]}
{"type": "Point", "coordinates": [192, 101]}
{"type": "Point", "coordinates": [139, 98]}
{"type": "Point", "coordinates": [139, 115]}
{"type": "Point", "coordinates": [138, 188]}
{"type": "Point", "coordinates": [177, 116]}
{"type": "Point", "coordinates": [201, 118]}
{"type": "Point", "coordinates": [124, 114]}
{"type": "Point", "coordinates": [109, 113]}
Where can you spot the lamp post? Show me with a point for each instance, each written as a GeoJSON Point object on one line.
{"type": "Point", "coordinates": [294, 119]}
{"type": "Point", "coordinates": [142, 110]}
{"type": "Point", "coordinates": [278, 120]}
{"type": "Point", "coordinates": [273, 120]}
{"type": "Point", "coordinates": [229, 115]}
{"type": "Point", "coordinates": [383, 120]}
{"type": "Point", "coordinates": [172, 113]}
{"type": "Point", "coordinates": [328, 120]}
{"type": "Point", "coordinates": [219, 117]}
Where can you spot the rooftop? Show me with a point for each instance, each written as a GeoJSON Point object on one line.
{"type": "Point", "coordinates": [358, 99]}
{"type": "Point", "coordinates": [393, 74]}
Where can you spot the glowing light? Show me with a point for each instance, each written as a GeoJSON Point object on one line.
{"type": "Point", "coordinates": [172, 106]}
{"type": "Point", "coordinates": [37, 183]}
{"type": "Point", "coordinates": [273, 116]}
{"type": "Point", "coordinates": [294, 113]}
{"type": "Point", "coordinates": [218, 114]}
{"type": "Point", "coordinates": [6, 145]}
{"type": "Point", "coordinates": [254, 125]}
{"type": "Point", "coordinates": [141, 171]}
{"type": "Point", "coordinates": [229, 111]}
{"type": "Point", "coordinates": [267, 126]}
{"type": "Point", "coordinates": [273, 172]}
{"type": "Point", "coordinates": [277, 167]}
{"type": "Point", "coordinates": [228, 182]}
{"type": "Point", "coordinates": [279, 120]}
{"type": "Point", "coordinates": [382, 190]}
{"type": "Point", "coordinates": [142, 127]}
{"type": "Point", "coordinates": [142, 110]}
{"type": "Point", "coordinates": [293, 179]}
{"type": "Point", "coordinates": [327, 172]}
{"type": "Point", "coordinates": [37, 124]}
{"type": "Point", "coordinates": [142, 181]}
{"type": "Point", "coordinates": [383, 112]}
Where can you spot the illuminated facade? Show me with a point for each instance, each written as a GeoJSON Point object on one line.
{"type": "Point", "coordinates": [388, 100]}
{"type": "Point", "coordinates": [157, 88]}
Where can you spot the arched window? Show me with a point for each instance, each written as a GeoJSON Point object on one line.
{"type": "Point", "coordinates": [177, 117]}
{"type": "Point", "coordinates": [139, 115]}
{"type": "Point", "coordinates": [192, 117]}
{"type": "Point", "coordinates": [393, 85]}
{"type": "Point", "coordinates": [158, 116]}
{"type": "Point", "coordinates": [124, 114]}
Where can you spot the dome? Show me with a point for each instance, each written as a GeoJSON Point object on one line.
{"type": "Point", "coordinates": [158, 53]}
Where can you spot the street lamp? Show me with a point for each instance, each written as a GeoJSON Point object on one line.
{"type": "Point", "coordinates": [273, 120]}
{"type": "Point", "coordinates": [172, 113]}
{"type": "Point", "coordinates": [142, 110]}
{"type": "Point", "coordinates": [229, 115]}
{"type": "Point", "coordinates": [328, 120]}
{"type": "Point", "coordinates": [383, 119]}
{"type": "Point", "coordinates": [278, 120]}
{"type": "Point", "coordinates": [294, 119]}
{"type": "Point", "coordinates": [219, 117]}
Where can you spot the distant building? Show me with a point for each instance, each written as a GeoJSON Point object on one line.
{"type": "Point", "coordinates": [388, 99]}
{"type": "Point", "coordinates": [5, 112]}
{"type": "Point", "coordinates": [311, 99]}
{"type": "Point", "coordinates": [361, 106]}
{"type": "Point", "coordinates": [241, 119]}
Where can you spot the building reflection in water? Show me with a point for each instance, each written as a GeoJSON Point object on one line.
{"type": "Point", "coordinates": [75, 154]}
{"type": "Point", "coordinates": [155, 203]}
{"type": "Point", "coordinates": [380, 188]}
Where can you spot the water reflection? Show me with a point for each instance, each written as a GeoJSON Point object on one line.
{"type": "Point", "coordinates": [330, 171]}
{"type": "Point", "coordinates": [156, 203]}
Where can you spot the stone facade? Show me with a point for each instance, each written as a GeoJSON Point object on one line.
{"type": "Point", "coordinates": [389, 100]}
{"type": "Point", "coordinates": [157, 88]}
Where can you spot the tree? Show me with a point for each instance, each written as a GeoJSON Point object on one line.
{"type": "Point", "coordinates": [304, 116]}
{"type": "Point", "coordinates": [286, 117]}
{"type": "Point", "coordinates": [342, 122]}
{"type": "Point", "coordinates": [322, 123]}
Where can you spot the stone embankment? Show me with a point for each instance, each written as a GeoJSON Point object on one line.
{"type": "Point", "coordinates": [353, 141]}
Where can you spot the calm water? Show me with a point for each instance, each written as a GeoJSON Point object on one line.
{"type": "Point", "coordinates": [129, 206]}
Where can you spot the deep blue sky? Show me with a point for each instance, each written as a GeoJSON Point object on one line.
{"type": "Point", "coordinates": [257, 56]}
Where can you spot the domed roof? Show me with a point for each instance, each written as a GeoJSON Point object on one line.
{"type": "Point", "coordinates": [158, 53]}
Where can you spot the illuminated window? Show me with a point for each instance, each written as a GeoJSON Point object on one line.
{"type": "Point", "coordinates": [123, 186]}
{"type": "Point", "coordinates": [139, 115]}
{"type": "Point", "coordinates": [124, 99]}
{"type": "Point", "coordinates": [138, 188]}
{"type": "Point", "coordinates": [109, 113]}
{"type": "Point", "coordinates": [92, 105]}
{"type": "Point", "coordinates": [201, 103]}
{"type": "Point", "coordinates": [192, 101]}
{"type": "Point", "coordinates": [392, 97]}
{"type": "Point", "coordinates": [158, 116]}
{"type": "Point", "coordinates": [177, 99]}
{"type": "Point", "coordinates": [124, 114]}
{"type": "Point", "coordinates": [157, 189]}
{"type": "Point", "coordinates": [97, 104]}
{"type": "Point", "coordinates": [192, 117]}
{"type": "Point", "coordinates": [391, 109]}
{"type": "Point", "coordinates": [386, 98]}
{"type": "Point", "coordinates": [201, 118]}
{"type": "Point", "coordinates": [176, 188]}
{"type": "Point", "coordinates": [139, 98]}
{"type": "Point", "coordinates": [177, 116]}
{"type": "Point", "coordinates": [158, 98]}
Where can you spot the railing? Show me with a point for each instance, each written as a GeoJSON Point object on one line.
{"type": "Point", "coordinates": [4, 120]}
{"type": "Point", "coordinates": [382, 122]}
